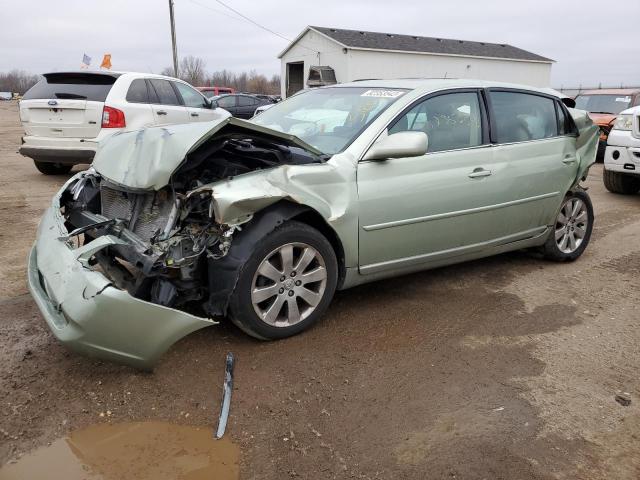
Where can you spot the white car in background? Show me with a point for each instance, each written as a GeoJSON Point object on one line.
{"type": "Point", "coordinates": [67, 114]}
{"type": "Point", "coordinates": [622, 156]}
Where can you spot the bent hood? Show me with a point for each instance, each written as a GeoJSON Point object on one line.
{"type": "Point", "coordinates": [145, 159]}
{"type": "Point", "coordinates": [602, 119]}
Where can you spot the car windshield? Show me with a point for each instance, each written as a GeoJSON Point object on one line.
{"type": "Point", "coordinates": [603, 103]}
{"type": "Point", "coordinates": [329, 118]}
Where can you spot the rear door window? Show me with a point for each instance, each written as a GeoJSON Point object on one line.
{"type": "Point", "coordinates": [73, 86]}
{"type": "Point", "coordinates": [138, 92]}
{"type": "Point", "coordinates": [520, 117]}
{"type": "Point", "coordinates": [190, 96]}
{"type": "Point", "coordinates": [165, 92]}
{"type": "Point", "coordinates": [245, 101]}
{"type": "Point", "coordinates": [227, 102]}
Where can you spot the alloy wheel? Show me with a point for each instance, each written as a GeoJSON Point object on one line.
{"type": "Point", "coordinates": [289, 284]}
{"type": "Point", "coordinates": [571, 225]}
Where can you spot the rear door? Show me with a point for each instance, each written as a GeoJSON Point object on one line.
{"type": "Point", "coordinates": [139, 113]}
{"type": "Point", "coordinates": [246, 106]}
{"type": "Point", "coordinates": [165, 103]}
{"type": "Point", "coordinates": [66, 105]}
{"type": "Point", "coordinates": [228, 102]}
{"type": "Point", "coordinates": [539, 157]}
{"type": "Point", "coordinates": [196, 104]}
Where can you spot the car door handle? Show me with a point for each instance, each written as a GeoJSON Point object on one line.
{"type": "Point", "coordinates": [479, 172]}
{"type": "Point", "coordinates": [194, 114]}
{"type": "Point", "coordinates": [161, 112]}
{"type": "Point", "coordinates": [569, 159]}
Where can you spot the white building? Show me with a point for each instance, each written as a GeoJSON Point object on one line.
{"type": "Point", "coordinates": [354, 54]}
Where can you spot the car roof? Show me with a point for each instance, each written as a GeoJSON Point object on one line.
{"type": "Point", "coordinates": [432, 84]}
{"type": "Point", "coordinates": [611, 91]}
{"type": "Point", "coordinates": [114, 74]}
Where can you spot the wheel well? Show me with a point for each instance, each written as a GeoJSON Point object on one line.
{"type": "Point", "coordinates": [312, 218]}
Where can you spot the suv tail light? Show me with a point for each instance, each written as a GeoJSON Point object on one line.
{"type": "Point", "coordinates": [112, 118]}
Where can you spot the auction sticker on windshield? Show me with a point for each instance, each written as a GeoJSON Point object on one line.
{"type": "Point", "coordinates": [382, 93]}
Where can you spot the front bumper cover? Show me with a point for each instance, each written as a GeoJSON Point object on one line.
{"type": "Point", "coordinates": [90, 315]}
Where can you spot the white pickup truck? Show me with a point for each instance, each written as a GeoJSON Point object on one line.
{"type": "Point", "coordinates": [622, 156]}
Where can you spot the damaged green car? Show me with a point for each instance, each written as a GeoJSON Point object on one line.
{"type": "Point", "coordinates": [262, 221]}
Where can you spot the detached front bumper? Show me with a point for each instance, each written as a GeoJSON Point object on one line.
{"type": "Point", "coordinates": [87, 313]}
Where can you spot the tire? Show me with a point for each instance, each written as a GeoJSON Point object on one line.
{"type": "Point", "coordinates": [52, 168]}
{"type": "Point", "coordinates": [617, 182]}
{"type": "Point", "coordinates": [256, 296]}
{"type": "Point", "coordinates": [572, 229]}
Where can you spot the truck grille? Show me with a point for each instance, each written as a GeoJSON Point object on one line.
{"type": "Point", "coordinates": [153, 210]}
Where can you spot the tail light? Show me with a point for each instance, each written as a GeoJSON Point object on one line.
{"type": "Point", "coordinates": [112, 118]}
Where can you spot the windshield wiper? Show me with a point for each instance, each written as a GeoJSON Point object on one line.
{"type": "Point", "coordinates": [606, 113]}
{"type": "Point", "coordinates": [70, 96]}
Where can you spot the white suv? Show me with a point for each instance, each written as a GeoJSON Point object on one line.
{"type": "Point", "coordinates": [622, 156]}
{"type": "Point", "coordinates": [66, 115]}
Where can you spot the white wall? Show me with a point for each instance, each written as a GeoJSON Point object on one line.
{"type": "Point", "coordinates": [358, 64]}
{"type": "Point", "coordinates": [376, 64]}
{"type": "Point", "coordinates": [330, 54]}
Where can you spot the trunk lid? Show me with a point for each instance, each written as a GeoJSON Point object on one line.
{"type": "Point", "coordinates": [66, 104]}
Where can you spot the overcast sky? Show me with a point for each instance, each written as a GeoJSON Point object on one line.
{"type": "Point", "coordinates": [590, 43]}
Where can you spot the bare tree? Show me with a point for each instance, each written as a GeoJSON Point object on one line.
{"type": "Point", "coordinates": [242, 82]}
{"type": "Point", "coordinates": [192, 70]}
{"type": "Point", "coordinates": [17, 81]}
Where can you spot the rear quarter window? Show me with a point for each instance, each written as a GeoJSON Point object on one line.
{"type": "Point", "coordinates": [138, 92]}
{"type": "Point", "coordinates": [74, 86]}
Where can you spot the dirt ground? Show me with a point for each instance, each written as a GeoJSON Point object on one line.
{"type": "Point", "coordinates": [504, 368]}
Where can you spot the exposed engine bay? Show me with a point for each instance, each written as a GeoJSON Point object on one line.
{"type": "Point", "coordinates": [169, 239]}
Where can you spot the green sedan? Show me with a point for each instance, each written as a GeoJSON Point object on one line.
{"type": "Point", "coordinates": [174, 227]}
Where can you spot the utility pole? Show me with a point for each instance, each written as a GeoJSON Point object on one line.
{"type": "Point", "coordinates": [173, 39]}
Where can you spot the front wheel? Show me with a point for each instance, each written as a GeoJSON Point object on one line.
{"type": "Point", "coordinates": [52, 168]}
{"type": "Point", "coordinates": [287, 284]}
{"type": "Point", "coordinates": [572, 230]}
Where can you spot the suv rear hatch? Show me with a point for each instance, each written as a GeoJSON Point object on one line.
{"type": "Point", "coordinates": [66, 104]}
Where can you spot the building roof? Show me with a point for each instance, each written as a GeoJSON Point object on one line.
{"type": "Point", "coordinates": [360, 39]}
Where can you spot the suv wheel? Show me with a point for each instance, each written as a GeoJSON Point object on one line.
{"type": "Point", "coordinates": [572, 230]}
{"type": "Point", "coordinates": [617, 182]}
{"type": "Point", "coordinates": [52, 168]}
{"type": "Point", "coordinates": [287, 283]}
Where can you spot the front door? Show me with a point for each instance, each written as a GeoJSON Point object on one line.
{"type": "Point", "coordinates": [196, 104]}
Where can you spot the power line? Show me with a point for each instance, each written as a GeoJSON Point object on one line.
{"type": "Point", "coordinates": [207, 7]}
{"type": "Point", "coordinates": [244, 17]}
{"type": "Point", "coordinates": [252, 21]}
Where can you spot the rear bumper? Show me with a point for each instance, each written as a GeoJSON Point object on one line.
{"type": "Point", "coordinates": [66, 156]}
{"type": "Point", "coordinates": [89, 315]}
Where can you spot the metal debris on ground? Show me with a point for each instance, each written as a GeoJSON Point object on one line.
{"type": "Point", "coordinates": [226, 396]}
{"type": "Point", "coordinates": [623, 399]}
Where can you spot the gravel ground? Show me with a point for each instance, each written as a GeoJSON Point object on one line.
{"type": "Point", "coordinates": [506, 367]}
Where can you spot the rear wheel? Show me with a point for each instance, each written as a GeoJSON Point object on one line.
{"type": "Point", "coordinates": [52, 168]}
{"type": "Point", "coordinates": [617, 182]}
{"type": "Point", "coordinates": [572, 230]}
{"type": "Point", "coordinates": [287, 284]}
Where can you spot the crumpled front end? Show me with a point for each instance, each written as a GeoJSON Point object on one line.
{"type": "Point", "coordinates": [87, 311]}
{"type": "Point", "coordinates": [129, 257]}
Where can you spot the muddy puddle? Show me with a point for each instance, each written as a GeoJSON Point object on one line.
{"type": "Point", "coordinates": [140, 451]}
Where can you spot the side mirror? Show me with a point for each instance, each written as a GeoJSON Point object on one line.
{"type": "Point", "coordinates": [399, 145]}
{"type": "Point", "coordinates": [213, 104]}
